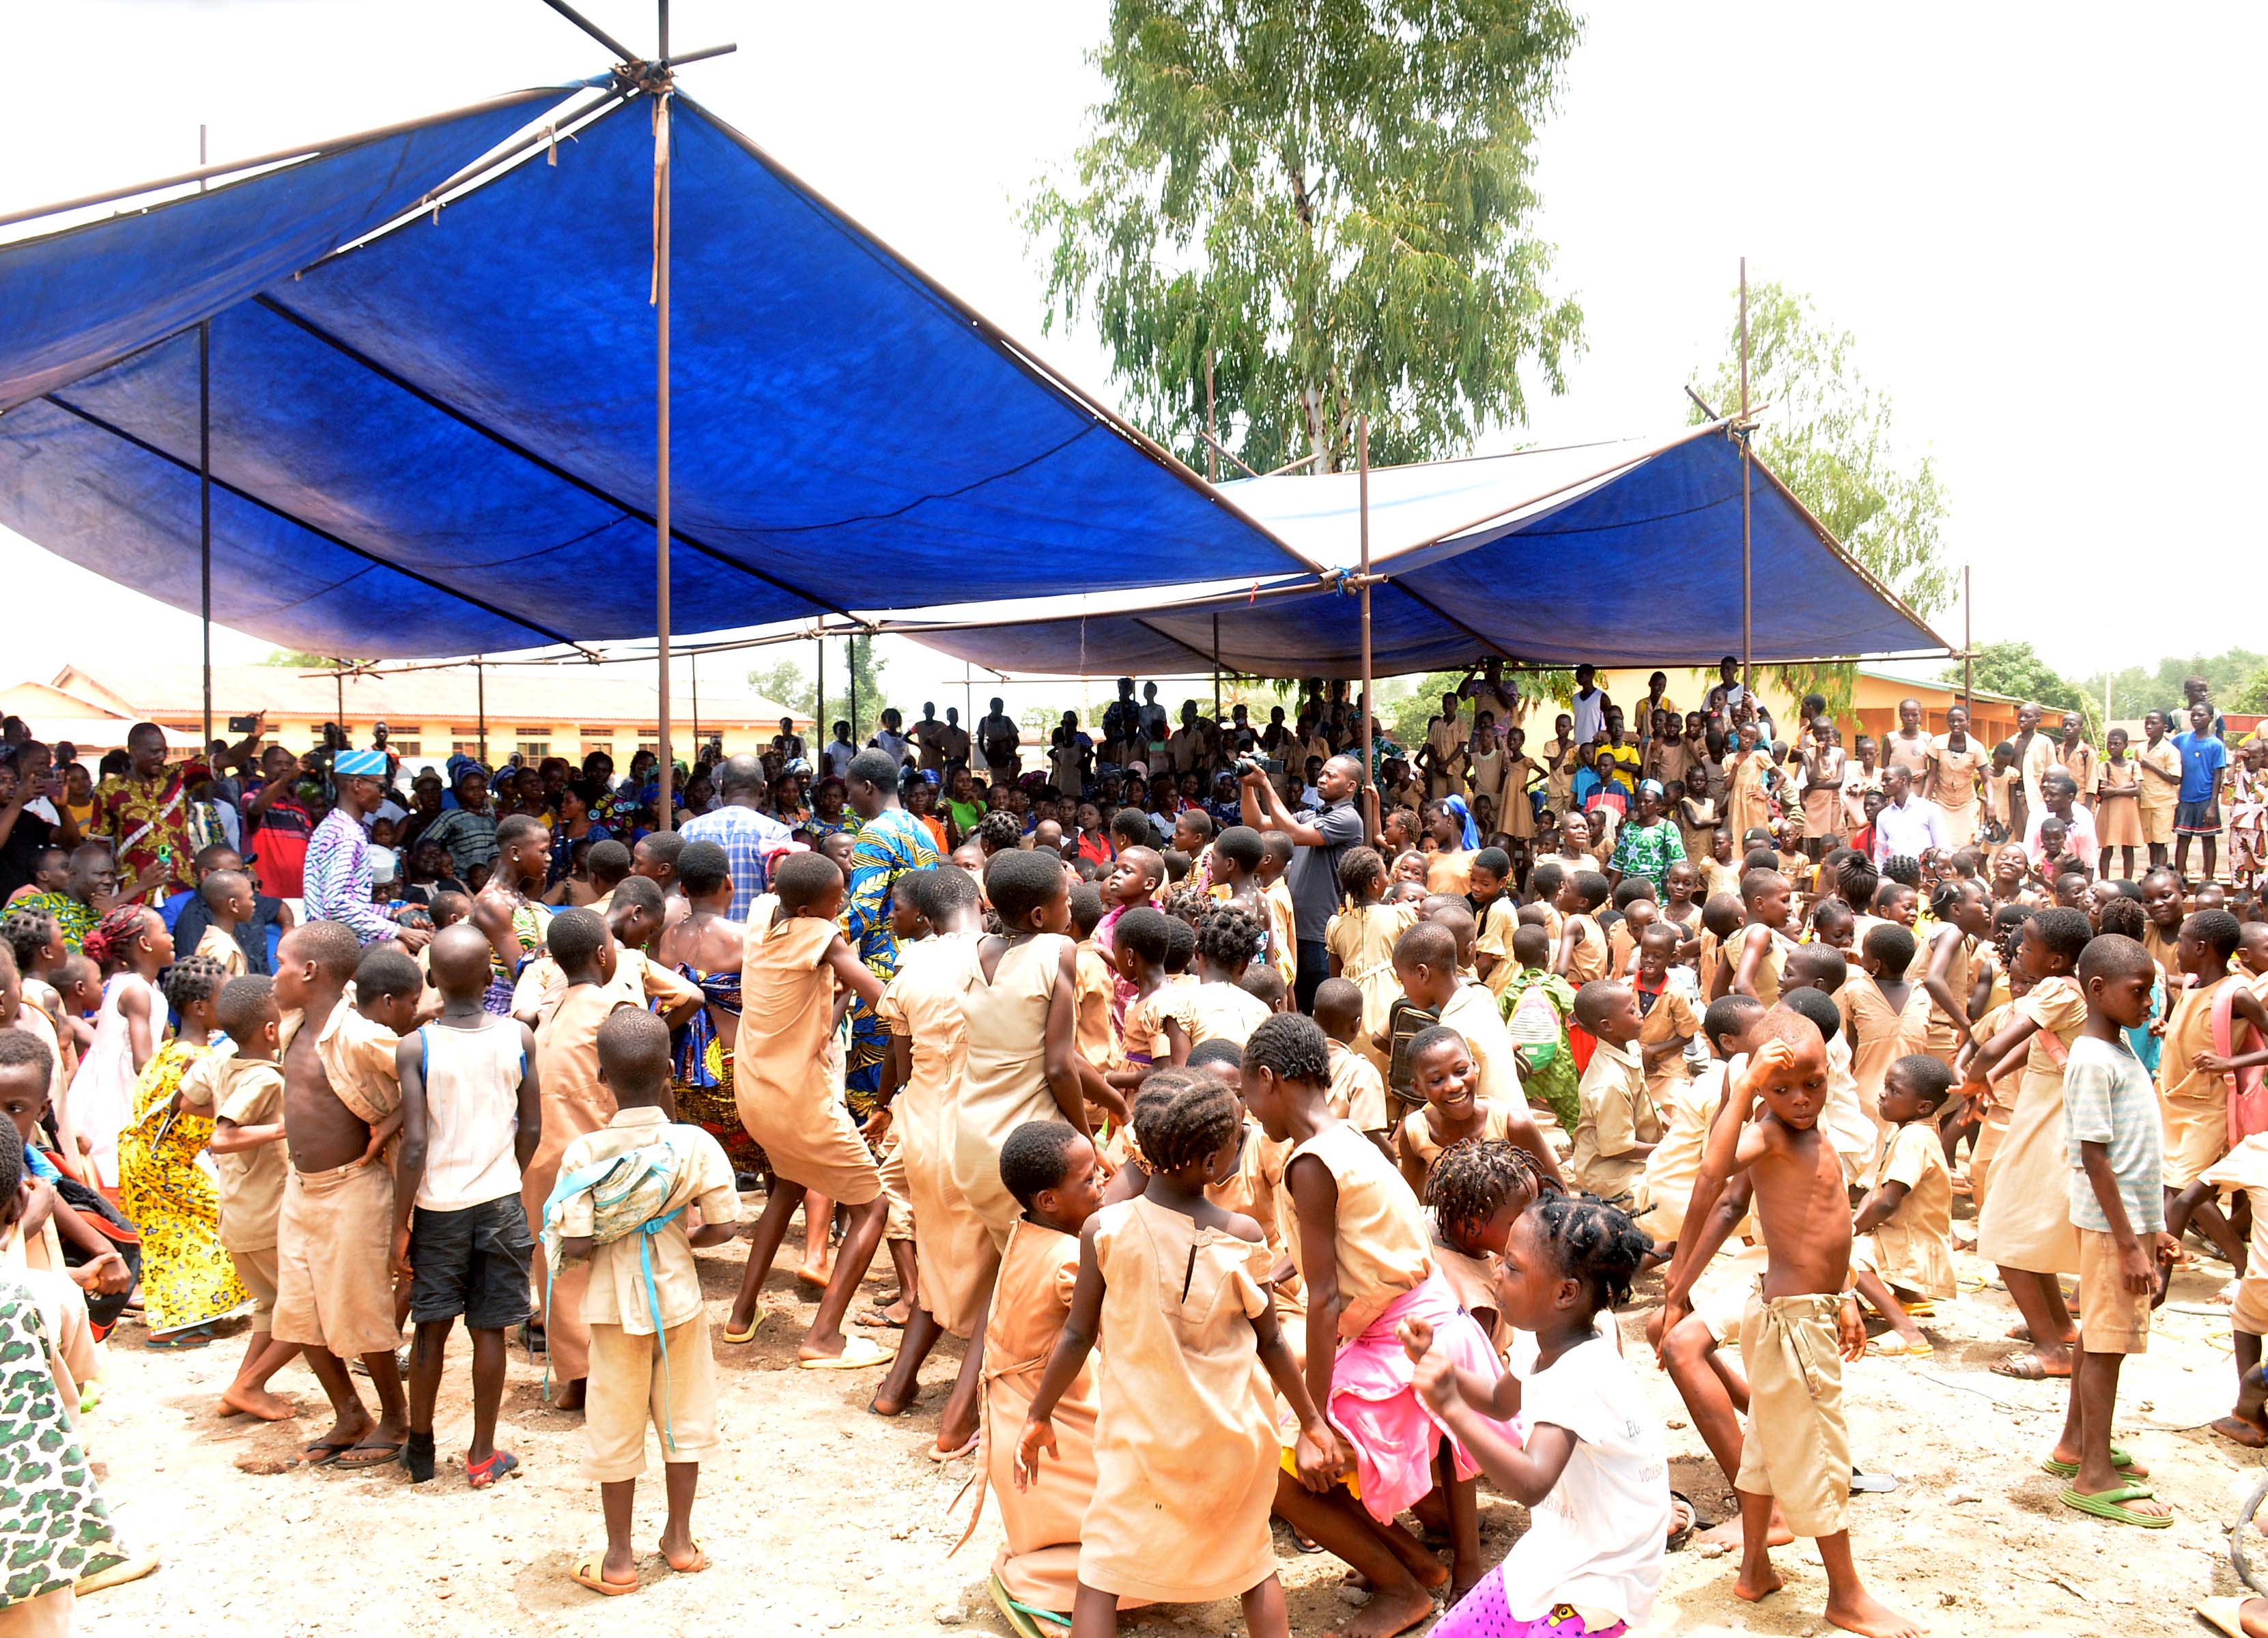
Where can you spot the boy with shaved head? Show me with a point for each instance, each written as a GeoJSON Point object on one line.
{"type": "Point", "coordinates": [1801, 1325]}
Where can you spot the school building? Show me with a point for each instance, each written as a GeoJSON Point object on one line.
{"type": "Point", "coordinates": [533, 710]}
{"type": "Point", "coordinates": [1873, 710]}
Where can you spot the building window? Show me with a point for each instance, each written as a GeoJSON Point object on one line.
{"type": "Point", "coordinates": [405, 747]}
{"type": "Point", "coordinates": [533, 751]}
{"type": "Point", "coordinates": [465, 747]}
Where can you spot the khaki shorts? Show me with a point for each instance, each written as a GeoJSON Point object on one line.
{"type": "Point", "coordinates": [1794, 1445]}
{"type": "Point", "coordinates": [2112, 1318]}
{"type": "Point", "coordinates": [628, 1389]}
{"type": "Point", "coordinates": [255, 1272]}
{"type": "Point", "coordinates": [334, 1277]}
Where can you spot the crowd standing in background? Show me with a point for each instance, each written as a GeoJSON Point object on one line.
{"type": "Point", "coordinates": [1395, 1086]}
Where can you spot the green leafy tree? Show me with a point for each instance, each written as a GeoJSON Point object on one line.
{"type": "Point", "coordinates": [2015, 669]}
{"type": "Point", "coordinates": [1829, 436]}
{"type": "Point", "coordinates": [786, 682]}
{"type": "Point", "coordinates": [1330, 199]}
{"type": "Point", "coordinates": [2234, 677]}
{"type": "Point", "coordinates": [299, 659]}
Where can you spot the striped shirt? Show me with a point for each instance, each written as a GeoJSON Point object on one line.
{"type": "Point", "coordinates": [338, 878]}
{"type": "Point", "coordinates": [747, 838]}
{"type": "Point", "coordinates": [2108, 1099]}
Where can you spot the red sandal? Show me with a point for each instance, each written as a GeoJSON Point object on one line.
{"type": "Point", "coordinates": [480, 1475]}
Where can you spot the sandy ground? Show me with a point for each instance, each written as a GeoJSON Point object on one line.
{"type": "Point", "coordinates": [822, 1518]}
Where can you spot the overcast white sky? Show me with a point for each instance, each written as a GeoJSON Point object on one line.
{"type": "Point", "coordinates": [2042, 226]}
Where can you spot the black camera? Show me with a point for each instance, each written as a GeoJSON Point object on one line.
{"type": "Point", "coordinates": [1246, 765]}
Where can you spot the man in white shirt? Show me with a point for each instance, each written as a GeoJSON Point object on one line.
{"type": "Point", "coordinates": [1907, 826]}
{"type": "Point", "coordinates": [1588, 706]}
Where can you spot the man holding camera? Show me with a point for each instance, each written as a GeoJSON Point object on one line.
{"type": "Point", "coordinates": [1320, 840]}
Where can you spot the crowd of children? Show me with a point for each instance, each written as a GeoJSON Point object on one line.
{"type": "Point", "coordinates": [1676, 1005]}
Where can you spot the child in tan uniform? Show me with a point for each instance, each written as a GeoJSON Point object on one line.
{"type": "Point", "coordinates": [1904, 1251]}
{"type": "Point", "coordinates": [1752, 957]}
{"type": "Point", "coordinates": [788, 1080]}
{"type": "Point", "coordinates": [1172, 1283]}
{"type": "Point", "coordinates": [334, 1233]}
{"type": "Point", "coordinates": [244, 1085]}
{"type": "Point", "coordinates": [642, 1299]}
{"type": "Point", "coordinates": [1358, 1091]}
{"type": "Point", "coordinates": [229, 902]}
{"type": "Point", "coordinates": [1620, 1123]}
{"type": "Point", "coordinates": [1801, 1325]}
{"type": "Point", "coordinates": [1425, 963]}
{"type": "Point", "coordinates": [1052, 1169]}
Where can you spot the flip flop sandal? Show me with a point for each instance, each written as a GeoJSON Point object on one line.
{"type": "Point", "coordinates": [2119, 1459]}
{"type": "Point", "coordinates": [587, 1573]}
{"type": "Point", "coordinates": [480, 1475]}
{"type": "Point", "coordinates": [114, 1570]}
{"type": "Point", "coordinates": [393, 1455]}
{"type": "Point", "coordinates": [875, 1319]}
{"type": "Point", "coordinates": [2109, 1504]}
{"type": "Point", "coordinates": [2225, 1614]}
{"type": "Point", "coordinates": [332, 1449]}
{"type": "Point", "coordinates": [749, 1335]}
{"type": "Point", "coordinates": [936, 1455]}
{"type": "Point", "coordinates": [859, 1353]}
{"type": "Point", "coordinates": [1024, 1619]}
{"type": "Point", "coordinates": [181, 1341]}
{"type": "Point", "coordinates": [1881, 1349]}
{"type": "Point", "coordinates": [1683, 1534]}
{"type": "Point", "coordinates": [700, 1561]}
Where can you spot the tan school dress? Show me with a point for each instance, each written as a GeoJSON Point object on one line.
{"type": "Point", "coordinates": [1959, 806]}
{"type": "Point", "coordinates": [1006, 1082]}
{"type": "Point", "coordinates": [2026, 1220]}
{"type": "Point", "coordinates": [787, 1065]}
{"type": "Point", "coordinates": [953, 1248]}
{"type": "Point", "coordinates": [1362, 937]}
{"type": "Point", "coordinates": [2117, 819]}
{"type": "Point", "coordinates": [1038, 1563]}
{"type": "Point", "coordinates": [572, 1103]}
{"type": "Point", "coordinates": [2192, 1102]}
{"type": "Point", "coordinates": [1186, 1448]}
{"type": "Point", "coordinates": [1823, 795]}
{"type": "Point", "coordinates": [1941, 1037]}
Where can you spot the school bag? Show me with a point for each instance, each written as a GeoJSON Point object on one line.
{"type": "Point", "coordinates": [626, 1193]}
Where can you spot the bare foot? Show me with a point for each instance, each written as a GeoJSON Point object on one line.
{"type": "Point", "coordinates": [1388, 1612]}
{"type": "Point", "coordinates": [882, 1405]}
{"type": "Point", "coordinates": [259, 1402]}
{"type": "Point", "coordinates": [1728, 1533]}
{"type": "Point", "coordinates": [570, 1396]}
{"type": "Point", "coordinates": [1765, 1582]}
{"type": "Point", "coordinates": [2236, 1430]}
{"type": "Point", "coordinates": [815, 1277]}
{"type": "Point", "coordinates": [1863, 1612]}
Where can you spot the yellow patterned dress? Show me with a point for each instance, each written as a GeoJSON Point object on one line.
{"type": "Point", "coordinates": [187, 1278]}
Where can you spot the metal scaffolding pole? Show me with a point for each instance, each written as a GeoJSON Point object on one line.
{"type": "Point", "coordinates": [665, 816]}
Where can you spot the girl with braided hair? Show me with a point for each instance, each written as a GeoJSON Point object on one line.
{"type": "Point", "coordinates": [129, 947]}
{"type": "Point", "coordinates": [1217, 1007]}
{"type": "Point", "coordinates": [1591, 1563]}
{"type": "Point", "coordinates": [1174, 1281]}
{"type": "Point", "coordinates": [189, 1279]}
{"type": "Point", "coordinates": [1477, 1191]}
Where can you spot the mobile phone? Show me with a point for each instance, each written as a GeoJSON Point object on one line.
{"type": "Point", "coordinates": [242, 724]}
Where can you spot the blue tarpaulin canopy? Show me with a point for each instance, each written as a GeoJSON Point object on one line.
{"type": "Point", "coordinates": [1624, 553]}
{"type": "Point", "coordinates": [441, 440]}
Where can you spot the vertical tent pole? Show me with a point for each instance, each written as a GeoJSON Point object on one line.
{"type": "Point", "coordinates": [662, 423]}
{"type": "Point", "coordinates": [1213, 453]}
{"type": "Point", "coordinates": [850, 664]}
{"type": "Point", "coordinates": [693, 665]}
{"type": "Point", "coordinates": [339, 680]}
{"type": "Point", "coordinates": [968, 696]}
{"type": "Point", "coordinates": [818, 711]}
{"type": "Point", "coordinates": [1968, 658]}
{"type": "Point", "coordinates": [1362, 490]}
{"type": "Point", "coordinates": [481, 701]}
{"type": "Point", "coordinates": [204, 488]}
{"type": "Point", "coordinates": [1748, 590]}
{"type": "Point", "coordinates": [1216, 671]}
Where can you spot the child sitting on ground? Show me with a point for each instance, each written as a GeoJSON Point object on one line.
{"type": "Point", "coordinates": [1052, 1170]}
{"type": "Point", "coordinates": [471, 1114]}
{"type": "Point", "coordinates": [1800, 1323]}
{"type": "Point", "coordinates": [641, 1300]}
{"type": "Point", "coordinates": [1904, 1251]}
{"type": "Point", "coordinates": [1174, 1281]}
{"type": "Point", "coordinates": [1591, 1468]}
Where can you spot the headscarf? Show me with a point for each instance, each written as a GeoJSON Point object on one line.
{"type": "Point", "coordinates": [1456, 805]}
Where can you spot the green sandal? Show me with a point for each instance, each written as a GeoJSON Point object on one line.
{"type": "Point", "coordinates": [2107, 1504]}
{"type": "Point", "coordinates": [1024, 1619]}
{"type": "Point", "coordinates": [2119, 1459]}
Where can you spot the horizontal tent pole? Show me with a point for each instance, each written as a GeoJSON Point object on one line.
{"type": "Point", "coordinates": [305, 150]}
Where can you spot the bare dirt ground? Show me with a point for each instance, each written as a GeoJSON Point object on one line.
{"type": "Point", "coordinates": [819, 1517]}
